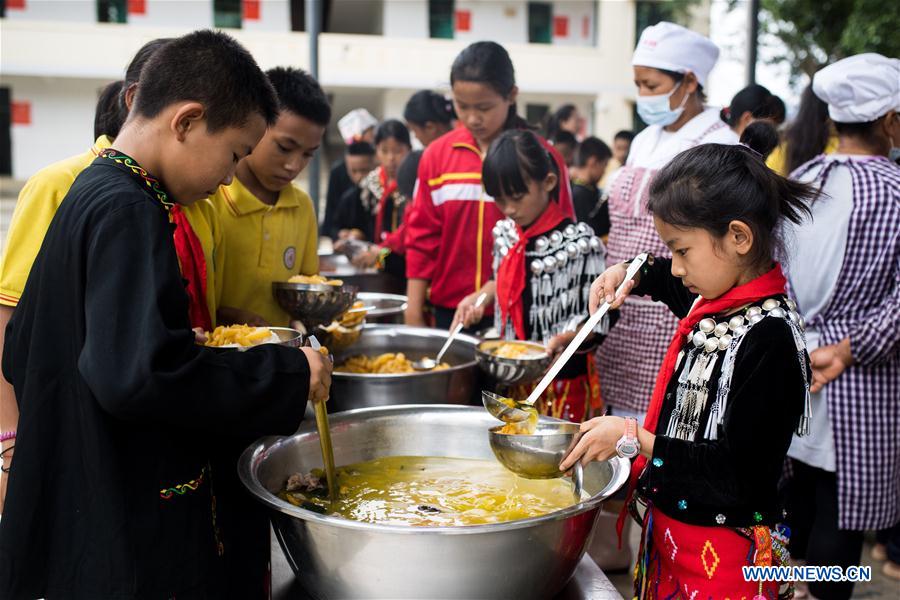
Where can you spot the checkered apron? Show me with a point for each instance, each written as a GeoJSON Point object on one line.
{"type": "Point", "coordinates": [630, 357]}
{"type": "Point", "coordinates": [864, 402]}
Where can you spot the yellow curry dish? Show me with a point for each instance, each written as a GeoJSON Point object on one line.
{"type": "Point", "coordinates": [390, 363]}
{"type": "Point", "coordinates": [315, 280]}
{"type": "Point", "coordinates": [516, 350]}
{"type": "Point", "coordinates": [240, 336]}
{"type": "Point", "coordinates": [426, 491]}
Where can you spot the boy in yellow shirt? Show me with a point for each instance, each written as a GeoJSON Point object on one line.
{"type": "Point", "coordinates": [270, 229]}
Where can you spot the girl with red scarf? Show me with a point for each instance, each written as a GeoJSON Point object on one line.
{"type": "Point", "coordinates": [374, 210]}
{"type": "Point", "coordinates": [543, 266]}
{"type": "Point", "coordinates": [732, 388]}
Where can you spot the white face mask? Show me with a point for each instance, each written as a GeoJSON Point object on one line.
{"type": "Point", "coordinates": [655, 110]}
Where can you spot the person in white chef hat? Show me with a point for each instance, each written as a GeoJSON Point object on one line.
{"type": "Point", "coordinates": [671, 66]}
{"type": "Point", "coordinates": [357, 129]}
{"type": "Point", "coordinates": [844, 272]}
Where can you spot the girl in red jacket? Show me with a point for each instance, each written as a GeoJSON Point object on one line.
{"type": "Point", "coordinates": [448, 230]}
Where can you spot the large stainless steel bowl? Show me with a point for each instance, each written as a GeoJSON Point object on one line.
{"type": "Point", "coordinates": [338, 558]}
{"type": "Point", "coordinates": [338, 266]}
{"type": "Point", "coordinates": [455, 385]}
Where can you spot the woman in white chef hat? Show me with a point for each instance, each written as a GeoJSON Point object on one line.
{"type": "Point", "coordinates": [671, 65]}
{"type": "Point", "coordinates": [844, 271]}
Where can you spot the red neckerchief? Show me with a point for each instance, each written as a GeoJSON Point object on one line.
{"type": "Point", "coordinates": [764, 286]}
{"type": "Point", "coordinates": [388, 188]}
{"type": "Point", "coordinates": [193, 268]}
{"type": "Point", "coordinates": [511, 275]}
{"type": "Point", "coordinates": [187, 245]}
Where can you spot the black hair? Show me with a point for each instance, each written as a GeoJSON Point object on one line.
{"type": "Point", "coordinates": [408, 173]}
{"type": "Point", "coordinates": [866, 132]}
{"type": "Point", "coordinates": [213, 69]}
{"type": "Point", "coordinates": [300, 94]}
{"type": "Point", "coordinates": [563, 113]}
{"type": "Point", "coordinates": [807, 135]}
{"type": "Point", "coordinates": [591, 147]}
{"type": "Point", "coordinates": [777, 109]}
{"type": "Point", "coordinates": [489, 63]}
{"type": "Point", "coordinates": [361, 148]}
{"type": "Point", "coordinates": [624, 135]}
{"type": "Point", "coordinates": [133, 70]}
{"type": "Point", "coordinates": [108, 115]}
{"type": "Point", "coordinates": [678, 77]}
{"type": "Point", "coordinates": [711, 185]}
{"type": "Point", "coordinates": [565, 137]}
{"type": "Point", "coordinates": [760, 137]}
{"type": "Point", "coordinates": [514, 158]}
{"type": "Point", "coordinates": [755, 99]}
{"type": "Point", "coordinates": [392, 128]}
{"type": "Point", "coordinates": [426, 106]}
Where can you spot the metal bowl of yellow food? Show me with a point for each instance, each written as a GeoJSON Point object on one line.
{"type": "Point", "coordinates": [536, 453]}
{"type": "Point", "coordinates": [392, 349]}
{"type": "Point", "coordinates": [314, 303]}
{"type": "Point", "coordinates": [512, 362]}
{"type": "Point", "coordinates": [243, 337]}
{"type": "Point", "coordinates": [505, 556]}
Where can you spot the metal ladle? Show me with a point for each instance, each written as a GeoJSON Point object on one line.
{"type": "Point", "coordinates": [427, 364]}
{"type": "Point", "coordinates": [513, 414]}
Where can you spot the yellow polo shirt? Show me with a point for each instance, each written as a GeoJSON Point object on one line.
{"type": "Point", "coordinates": [205, 222]}
{"type": "Point", "coordinates": [35, 208]}
{"type": "Point", "coordinates": [263, 244]}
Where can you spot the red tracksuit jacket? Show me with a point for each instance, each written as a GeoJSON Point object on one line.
{"type": "Point", "coordinates": [449, 229]}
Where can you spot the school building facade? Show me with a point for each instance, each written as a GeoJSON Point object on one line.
{"type": "Point", "coordinates": [57, 55]}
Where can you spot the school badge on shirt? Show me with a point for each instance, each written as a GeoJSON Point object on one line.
{"type": "Point", "coordinates": [290, 257]}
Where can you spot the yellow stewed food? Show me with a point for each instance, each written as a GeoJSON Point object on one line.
{"type": "Point", "coordinates": [430, 491]}
{"type": "Point", "coordinates": [383, 364]}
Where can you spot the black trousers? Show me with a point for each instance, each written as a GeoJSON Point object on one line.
{"type": "Point", "coordinates": [891, 539]}
{"type": "Point", "coordinates": [812, 515]}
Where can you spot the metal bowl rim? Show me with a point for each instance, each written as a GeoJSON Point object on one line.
{"type": "Point", "coordinates": [267, 444]}
{"type": "Point", "coordinates": [315, 287]}
{"type": "Point", "coordinates": [485, 355]}
{"type": "Point", "coordinates": [403, 302]}
{"type": "Point", "coordinates": [495, 431]}
{"type": "Point", "coordinates": [422, 332]}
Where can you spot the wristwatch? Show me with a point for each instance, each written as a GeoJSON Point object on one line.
{"type": "Point", "coordinates": [628, 445]}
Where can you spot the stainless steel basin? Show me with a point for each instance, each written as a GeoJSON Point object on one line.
{"type": "Point", "coordinates": [338, 558]}
{"type": "Point", "coordinates": [455, 385]}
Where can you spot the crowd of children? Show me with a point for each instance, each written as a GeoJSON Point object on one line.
{"type": "Point", "coordinates": [184, 211]}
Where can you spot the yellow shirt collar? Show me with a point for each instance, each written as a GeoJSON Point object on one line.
{"type": "Point", "coordinates": [242, 201]}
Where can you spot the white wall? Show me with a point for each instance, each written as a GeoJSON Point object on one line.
{"type": "Point", "coordinates": [274, 15]}
{"type": "Point", "coordinates": [581, 15]}
{"type": "Point", "coordinates": [84, 11]}
{"type": "Point", "coordinates": [62, 120]}
{"type": "Point", "coordinates": [169, 13]}
{"type": "Point", "coordinates": [503, 22]}
{"type": "Point", "coordinates": [403, 18]}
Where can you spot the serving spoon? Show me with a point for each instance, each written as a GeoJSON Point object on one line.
{"type": "Point", "coordinates": [427, 364]}
{"type": "Point", "coordinates": [511, 411]}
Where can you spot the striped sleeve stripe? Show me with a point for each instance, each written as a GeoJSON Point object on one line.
{"type": "Point", "coordinates": [460, 192]}
{"type": "Point", "coordinates": [453, 177]}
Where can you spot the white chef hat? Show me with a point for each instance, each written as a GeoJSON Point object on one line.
{"type": "Point", "coordinates": [354, 123]}
{"type": "Point", "coordinates": [673, 48]}
{"type": "Point", "coordinates": [860, 88]}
